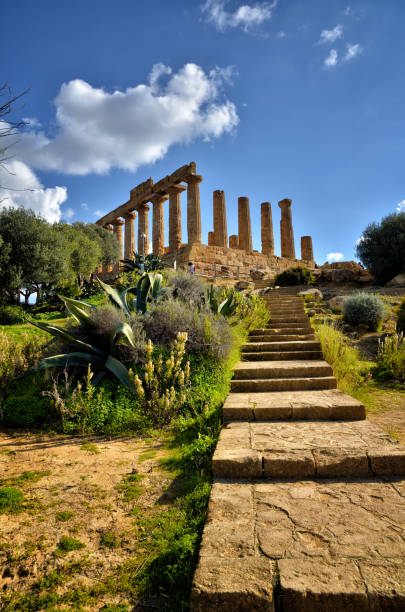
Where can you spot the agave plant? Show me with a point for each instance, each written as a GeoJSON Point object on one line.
{"type": "Point", "coordinates": [226, 308]}
{"type": "Point", "coordinates": [84, 353]}
{"type": "Point", "coordinates": [150, 263]}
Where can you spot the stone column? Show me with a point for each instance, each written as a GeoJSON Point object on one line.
{"type": "Point", "coordinates": [267, 229]}
{"type": "Point", "coordinates": [306, 248]}
{"type": "Point", "coordinates": [193, 208]}
{"type": "Point", "coordinates": [211, 238]}
{"type": "Point", "coordinates": [286, 230]}
{"type": "Point", "coordinates": [129, 246]}
{"type": "Point", "coordinates": [158, 228]}
{"type": "Point", "coordinates": [117, 224]}
{"type": "Point", "coordinates": [244, 228]}
{"type": "Point", "coordinates": [107, 267]}
{"type": "Point", "coordinates": [220, 226]}
{"type": "Point", "coordinates": [234, 241]}
{"type": "Point", "coordinates": [175, 192]}
{"type": "Point", "coordinates": [143, 228]}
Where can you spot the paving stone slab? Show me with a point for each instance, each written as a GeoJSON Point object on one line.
{"type": "Point", "coordinates": [281, 369]}
{"type": "Point", "coordinates": [337, 545]}
{"type": "Point", "coordinates": [297, 405]}
{"type": "Point", "coordinates": [322, 449]}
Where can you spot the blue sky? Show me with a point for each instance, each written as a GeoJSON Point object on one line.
{"type": "Point", "coordinates": [271, 100]}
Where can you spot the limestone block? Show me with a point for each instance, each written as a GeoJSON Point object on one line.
{"type": "Point", "coordinates": [336, 303]}
{"type": "Point", "coordinates": [314, 585]}
{"type": "Point", "coordinates": [288, 464]}
{"type": "Point", "coordinates": [243, 285]}
{"type": "Point", "coordinates": [237, 463]}
{"type": "Point", "coordinates": [232, 585]}
{"type": "Point", "coordinates": [388, 462]}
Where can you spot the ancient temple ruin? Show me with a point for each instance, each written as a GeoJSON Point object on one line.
{"type": "Point", "coordinates": [222, 256]}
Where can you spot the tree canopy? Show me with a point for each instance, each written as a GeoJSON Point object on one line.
{"type": "Point", "coordinates": [36, 256]}
{"type": "Point", "coordinates": [381, 248]}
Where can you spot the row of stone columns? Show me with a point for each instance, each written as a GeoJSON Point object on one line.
{"type": "Point", "coordinates": [219, 237]}
{"type": "Point", "coordinates": [158, 248]}
{"type": "Point", "coordinates": [243, 240]}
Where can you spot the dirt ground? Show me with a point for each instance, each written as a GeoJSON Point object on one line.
{"type": "Point", "coordinates": [80, 488]}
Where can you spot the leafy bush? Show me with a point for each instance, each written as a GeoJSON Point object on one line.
{"type": "Point", "coordinates": [363, 308]}
{"type": "Point", "coordinates": [206, 332]}
{"type": "Point", "coordinates": [49, 316]}
{"type": "Point", "coordinates": [401, 317]}
{"type": "Point", "coordinates": [25, 406]}
{"type": "Point", "coordinates": [252, 311]}
{"type": "Point", "coordinates": [12, 315]}
{"type": "Point", "coordinates": [15, 358]}
{"type": "Point", "coordinates": [343, 358]}
{"type": "Point", "coordinates": [382, 247]}
{"type": "Point", "coordinates": [294, 276]}
{"type": "Point", "coordinates": [187, 288]}
{"type": "Point", "coordinates": [391, 358]}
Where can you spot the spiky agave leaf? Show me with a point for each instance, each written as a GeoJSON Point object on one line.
{"type": "Point", "coordinates": [227, 307]}
{"type": "Point", "coordinates": [58, 332]}
{"type": "Point", "coordinates": [124, 295]}
{"type": "Point", "coordinates": [120, 371]}
{"type": "Point", "coordinates": [142, 290]}
{"type": "Point", "coordinates": [122, 334]}
{"type": "Point", "coordinates": [115, 297]}
{"type": "Point", "coordinates": [75, 308]}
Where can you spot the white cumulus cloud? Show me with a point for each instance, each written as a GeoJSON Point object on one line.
{"type": "Point", "coordinates": [98, 130]}
{"type": "Point", "coordinates": [330, 36]}
{"type": "Point", "coordinates": [84, 205]}
{"type": "Point", "coordinates": [245, 16]}
{"type": "Point", "coordinates": [401, 206]}
{"type": "Point", "coordinates": [352, 51]}
{"type": "Point", "coordinates": [22, 188]}
{"type": "Point", "coordinates": [332, 59]}
{"type": "Point", "coordinates": [331, 257]}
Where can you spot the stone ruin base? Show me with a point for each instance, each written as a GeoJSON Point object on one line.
{"type": "Point", "coordinates": [222, 262]}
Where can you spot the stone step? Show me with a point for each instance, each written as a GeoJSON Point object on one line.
{"type": "Point", "coordinates": [310, 546]}
{"type": "Point", "coordinates": [267, 331]}
{"type": "Point", "coordinates": [281, 356]}
{"type": "Point", "coordinates": [289, 319]}
{"type": "Point", "coordinates": [301, 345]}
{"type": "Point", "coordinates": [331, 404]}
{"type": "Point", "coordinates": [283, 369]}
{"type": "Point", "coordinates": [307, 449]}
{"type": "Point", "coordinates": [283, 384]}
{"type": "Point", "coordinates": [285, 337]}
{"type": "Point", "coordinates": [284, 331]}
{"type": "Point", "coordinates": [286, 325]}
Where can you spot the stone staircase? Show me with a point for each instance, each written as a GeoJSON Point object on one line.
{"type": "Point", "coordinates": [307, 509]}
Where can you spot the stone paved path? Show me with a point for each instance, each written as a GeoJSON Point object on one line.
{"type": "Point", "coordinates": [307, 510]}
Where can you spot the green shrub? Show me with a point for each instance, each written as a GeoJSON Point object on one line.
{"type": "Point", "coordinates": [49, 316]}
{"type": "Point", "coordinates": [401, 317]}
{"type": "Point", "coordinates": [26, 406]}
{"type": "Point", "coordinates": [343, 358]}
{"type": "Point", "coordinates": [206, 332]}
{"type": "Point", "coordinates": [364, 308]}
{"type": "Point", "coordinates": [294, 276]}
{"type": "Point", "coordinates": [67, 544]}
{"type": "Point", "coordinates": [391, 359]}
{"type": "Point", "coordinates": [12, 315]}
{"type": "Point", "coordinates": [11, 499]}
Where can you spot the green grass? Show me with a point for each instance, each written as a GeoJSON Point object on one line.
{"type": "Point", "coordinates": [130, 488]}
{"type": "Point", "coordinates": [67, 544]}
{"type": "Point", "coordinates": [20, 333]}
{"type": "Point", "coordinates": [147, 455]}
{"type": "Point", "coordinates": [90, 447]}
{"type": "Point", "coordinates": [64, 515]}
{"type": "Point", "coordinates": [109, 540]}
{"type": "Point", "coordinates": [11, 500]}
{"type": "Point", "coordinates": [26, 477]}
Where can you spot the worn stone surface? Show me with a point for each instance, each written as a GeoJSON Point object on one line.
{"type": "Point", "coordinates": [286, 229]}
{"type": "Point", "coordinates": [232, 585]}
{"type": "Point", "coordinates": [267, 228]}
{"type": "Point", "coordinates": [306, 248]}
{"type": "Point", "coordinates": [312, 585]}
{"type": "Point", "coordinates": [244, 227]}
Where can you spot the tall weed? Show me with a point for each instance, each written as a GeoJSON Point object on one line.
{"type": "Point", "coordinates": [343, 358]}
{"type": "Point", "coordinates": [391, 358]}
